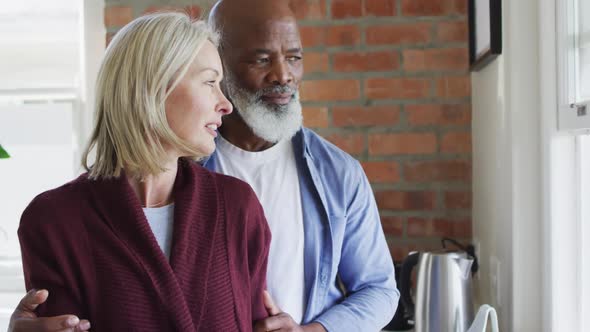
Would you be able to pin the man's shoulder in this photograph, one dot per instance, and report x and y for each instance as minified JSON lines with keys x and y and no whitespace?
{"x":322,"y":150}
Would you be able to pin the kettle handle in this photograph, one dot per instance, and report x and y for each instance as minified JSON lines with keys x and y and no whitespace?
{"x":406,"y":283}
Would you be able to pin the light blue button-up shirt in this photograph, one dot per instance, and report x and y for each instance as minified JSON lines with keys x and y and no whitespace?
{"x":344,"y":240}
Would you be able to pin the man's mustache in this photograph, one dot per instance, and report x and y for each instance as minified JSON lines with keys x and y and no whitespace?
{"x":276,"y":89}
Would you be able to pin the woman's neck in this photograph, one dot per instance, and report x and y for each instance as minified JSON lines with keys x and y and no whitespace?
{"x":156,"y":190}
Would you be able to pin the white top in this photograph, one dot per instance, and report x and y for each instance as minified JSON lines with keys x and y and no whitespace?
{"x":161,"y":220}
{"x":272,"y":174}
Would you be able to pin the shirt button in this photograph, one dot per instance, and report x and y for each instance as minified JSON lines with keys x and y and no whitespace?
{"x":324,"y":278}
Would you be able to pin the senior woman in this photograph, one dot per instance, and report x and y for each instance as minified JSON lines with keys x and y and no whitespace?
{"x":148,"y":240}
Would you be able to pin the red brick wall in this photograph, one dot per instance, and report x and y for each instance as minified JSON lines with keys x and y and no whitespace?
{"x":388,"y":82}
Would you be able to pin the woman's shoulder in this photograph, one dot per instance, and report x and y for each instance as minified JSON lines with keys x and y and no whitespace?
{"x":49,"y":205}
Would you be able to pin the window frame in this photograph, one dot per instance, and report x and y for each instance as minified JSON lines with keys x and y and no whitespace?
{"x":573,"y":112}
{"x":564,"y":182}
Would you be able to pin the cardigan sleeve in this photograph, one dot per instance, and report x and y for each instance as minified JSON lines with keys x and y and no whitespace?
{"x":49,"y":247}
{"x":258,"y":246}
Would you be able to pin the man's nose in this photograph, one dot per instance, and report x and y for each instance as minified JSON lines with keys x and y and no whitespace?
{"x":280,"y":73}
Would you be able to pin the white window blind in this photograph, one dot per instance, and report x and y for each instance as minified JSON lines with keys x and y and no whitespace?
{"x":40,"y":43}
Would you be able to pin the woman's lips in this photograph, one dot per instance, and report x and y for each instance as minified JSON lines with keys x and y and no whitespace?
{"x":212,"y":129}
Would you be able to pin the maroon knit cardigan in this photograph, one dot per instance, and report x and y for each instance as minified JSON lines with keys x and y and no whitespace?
{"x":89,"y":244}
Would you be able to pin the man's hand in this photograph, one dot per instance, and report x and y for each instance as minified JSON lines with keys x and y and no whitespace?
{"x":281,"y":321}
{"x":24,"y":319}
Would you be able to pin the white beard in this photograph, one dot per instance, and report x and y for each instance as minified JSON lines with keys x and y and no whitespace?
{"x":273,"y":123}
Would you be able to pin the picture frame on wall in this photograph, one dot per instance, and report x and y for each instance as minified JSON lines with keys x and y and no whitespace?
{"x":485,"y":32}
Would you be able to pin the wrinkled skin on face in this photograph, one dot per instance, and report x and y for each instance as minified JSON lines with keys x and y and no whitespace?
{"x":261,"y":51}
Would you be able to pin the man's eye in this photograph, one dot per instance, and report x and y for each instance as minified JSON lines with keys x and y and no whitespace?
{"x":262,"y":61}
{"x":294,"y":58}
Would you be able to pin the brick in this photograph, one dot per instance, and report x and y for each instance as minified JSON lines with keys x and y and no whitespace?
{"x":365,"y":116}
{"x":456,"y":142}
{"x":382,"y":171}
{"x":315,"y":62}
{"x":460,"y":7}
{"x":380,"y":7}
{"x":433,"y":114}
{"x":347,"y":8}
{"x":117,"y":16}
{"x":453,"y":87}
{"x":402,"y":143}
{"x":398,"y":253}
{"x":447,"y":32}
{"x":395,"y":34}
{"x":436,"y":171}
{"x":328,"y":90}
{"x":315,"y":117}
{"x":109,"y":37}
{"x":160,"y":9}
{"x":365,"y":61}
{"x":436,"y":59}
{"x":312,"y":36}
{"x":457,"y":199}
{"x":419,"y":227}
{"x":428,"y":7}
{"x":462,"y":229}
{"x":343,"y":35}
{"x":353,"y":143}
{"x":397,"y":88}
{"x":406,"y":200}
{"x":392,"y":226}
{"x":309,"y":9}
{"x":438,"y":227}
{"x":193,"y":11}
{"x":423,"y":7}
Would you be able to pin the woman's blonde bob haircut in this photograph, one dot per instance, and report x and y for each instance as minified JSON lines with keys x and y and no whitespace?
{"x":143,"y":63}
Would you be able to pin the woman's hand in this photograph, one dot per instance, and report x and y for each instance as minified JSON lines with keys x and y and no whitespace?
{"x":25,"y":319}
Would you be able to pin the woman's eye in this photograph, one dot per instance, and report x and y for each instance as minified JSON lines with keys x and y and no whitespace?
{"x":211,"y":83}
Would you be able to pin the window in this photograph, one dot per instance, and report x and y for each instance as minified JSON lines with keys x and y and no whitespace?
{"x":584,"y":234}
{"x":573,"y":34}
{"x":570,"y":223}
{"x":49,"y":59}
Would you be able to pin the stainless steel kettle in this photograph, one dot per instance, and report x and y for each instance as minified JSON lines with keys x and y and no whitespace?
{"x":444,"y":300}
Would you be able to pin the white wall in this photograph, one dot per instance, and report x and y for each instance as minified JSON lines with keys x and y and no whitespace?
{"x":507,"y":209}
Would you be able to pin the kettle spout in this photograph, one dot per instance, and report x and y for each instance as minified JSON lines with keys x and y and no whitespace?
{"x":480,"y":323}
{"x":464,"y":266}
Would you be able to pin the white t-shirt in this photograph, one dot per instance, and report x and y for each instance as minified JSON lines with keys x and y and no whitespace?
{"x":161,"y":220}
{"x":272,"y":174}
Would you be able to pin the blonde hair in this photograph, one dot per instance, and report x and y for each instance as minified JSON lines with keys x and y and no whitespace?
{"x":143,"y":63}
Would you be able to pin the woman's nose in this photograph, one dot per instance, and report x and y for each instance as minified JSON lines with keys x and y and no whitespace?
{"x":225,"y":106}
